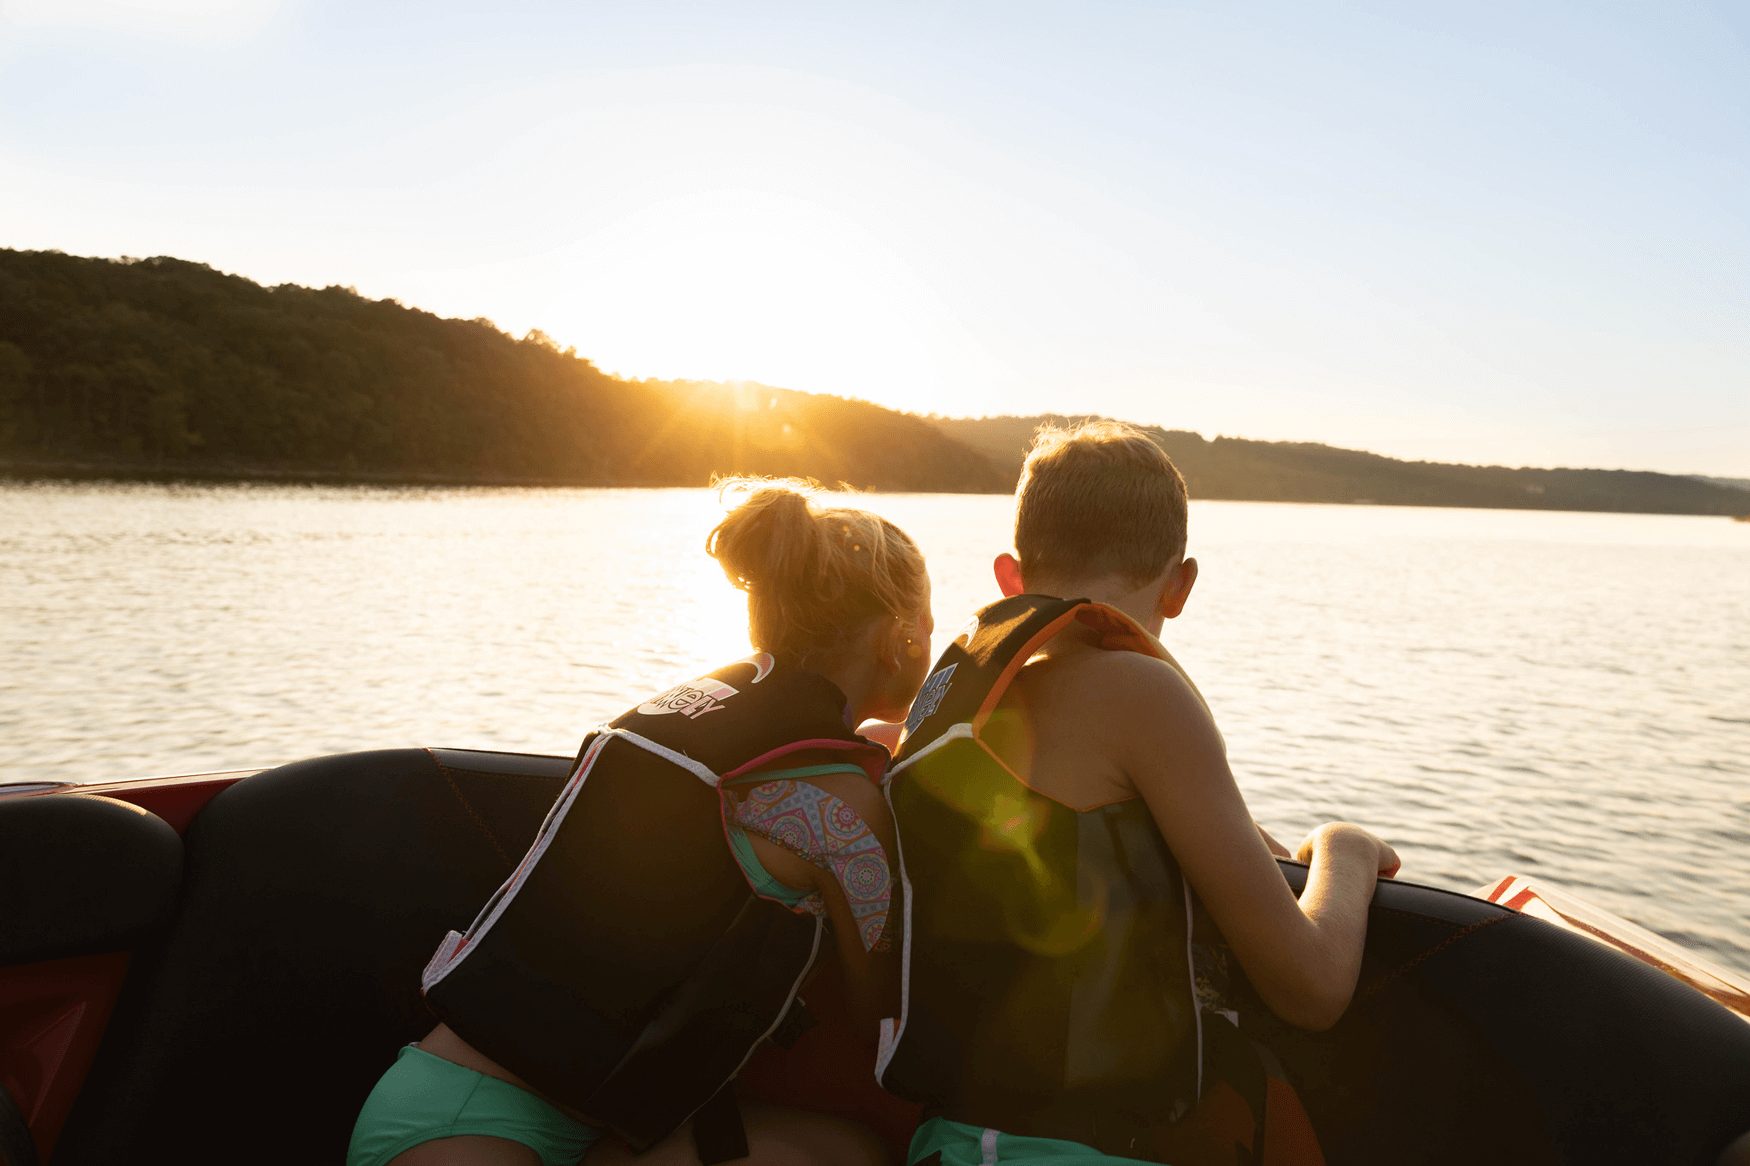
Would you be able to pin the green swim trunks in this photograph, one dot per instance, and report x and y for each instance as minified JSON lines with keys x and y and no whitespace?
{"x":964,"y":1145}
{"x":422,"y":1098}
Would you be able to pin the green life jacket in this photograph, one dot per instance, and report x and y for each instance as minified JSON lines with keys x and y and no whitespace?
{"x":1048,"y":979}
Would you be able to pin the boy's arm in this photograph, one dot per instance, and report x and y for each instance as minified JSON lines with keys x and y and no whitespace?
{"x":1302,"y":956}
{"x":1275,"y":848}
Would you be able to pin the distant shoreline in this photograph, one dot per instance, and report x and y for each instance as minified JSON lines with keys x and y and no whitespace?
{"x":248,"y":475}
{"x":244,"y":475}
{"x":161,"y":370}
{"x":29,"y":472}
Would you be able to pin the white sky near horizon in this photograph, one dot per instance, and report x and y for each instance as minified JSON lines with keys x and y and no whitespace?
{"x":1496,"y":233}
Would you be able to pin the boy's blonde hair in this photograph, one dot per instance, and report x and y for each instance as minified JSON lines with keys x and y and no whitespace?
{"x":1099,"y":498}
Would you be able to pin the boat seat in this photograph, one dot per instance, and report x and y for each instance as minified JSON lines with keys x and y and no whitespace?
{"x":83,"y":879}
{"x":16,"y":1146}
{"x":81,"y":874}
{"x":312,"y":896}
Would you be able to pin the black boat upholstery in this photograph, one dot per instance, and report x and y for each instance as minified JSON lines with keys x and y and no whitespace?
{"x":1478,"y":1034}
{"x":16,"y":1146}
{"x":313,"y":895}
{"x":81,"y":874}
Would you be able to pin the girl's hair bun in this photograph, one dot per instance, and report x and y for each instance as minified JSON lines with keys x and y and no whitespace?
{"x":770,"y":536}
{"x":813,"y":576}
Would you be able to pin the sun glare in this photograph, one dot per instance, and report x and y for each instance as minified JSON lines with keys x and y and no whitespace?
{"x":748,"y":398}
{"x":770,"y":288}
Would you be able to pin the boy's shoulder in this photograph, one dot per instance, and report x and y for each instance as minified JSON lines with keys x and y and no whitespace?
{"x":1109,"y":683}
{"x":1094,"y":720}
{"x":1145,"y":709}
{"x":1158,"y":673}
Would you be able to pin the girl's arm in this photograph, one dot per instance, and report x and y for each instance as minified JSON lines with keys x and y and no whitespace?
{"x":864,"y":917}
{"x":1302,"y":956}
{"x":884,"y":733}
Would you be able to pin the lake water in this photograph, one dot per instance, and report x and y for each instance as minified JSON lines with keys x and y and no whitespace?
{"x":1561,"y":695}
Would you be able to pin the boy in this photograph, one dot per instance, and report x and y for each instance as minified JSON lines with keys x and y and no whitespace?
{"x":1060,"y":795}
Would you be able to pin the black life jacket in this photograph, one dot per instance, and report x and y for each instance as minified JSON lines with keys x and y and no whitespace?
{"x":625,"y":969}
{"x":1049,"y":988}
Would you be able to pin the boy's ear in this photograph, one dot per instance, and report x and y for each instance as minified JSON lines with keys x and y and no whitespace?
{"x":1178,"y":589}
{"x":1008,"y":573}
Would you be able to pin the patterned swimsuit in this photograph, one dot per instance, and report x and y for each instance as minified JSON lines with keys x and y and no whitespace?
{"x":822,"y":830}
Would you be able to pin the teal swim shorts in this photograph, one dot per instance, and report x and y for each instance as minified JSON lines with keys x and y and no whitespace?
{"x":964,"y":1145}
{"x":422,"y":1098}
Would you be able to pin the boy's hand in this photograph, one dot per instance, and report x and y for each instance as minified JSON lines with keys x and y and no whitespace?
{"x":1349,"y":834}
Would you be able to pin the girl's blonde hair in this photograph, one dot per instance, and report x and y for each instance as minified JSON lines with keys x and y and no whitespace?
{"x":814,"y":577}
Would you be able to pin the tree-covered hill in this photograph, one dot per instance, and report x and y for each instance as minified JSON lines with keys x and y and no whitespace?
{"x":1280,"y":471}
{"x":161,"y":366}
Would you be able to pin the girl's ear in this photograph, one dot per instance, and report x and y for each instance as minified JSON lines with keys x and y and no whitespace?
{"x":1008,"y":573}
{"x":890,"y":644}
{"x":896,"y":654}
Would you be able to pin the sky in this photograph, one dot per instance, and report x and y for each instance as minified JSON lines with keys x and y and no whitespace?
{"x":1506,"y":233}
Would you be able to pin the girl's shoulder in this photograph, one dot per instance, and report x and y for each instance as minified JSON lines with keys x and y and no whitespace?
{"x":821,"y":791}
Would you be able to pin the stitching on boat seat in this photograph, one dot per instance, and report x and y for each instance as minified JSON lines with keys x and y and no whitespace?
{"x":1464,"y":932}
{"x":479,"y":822}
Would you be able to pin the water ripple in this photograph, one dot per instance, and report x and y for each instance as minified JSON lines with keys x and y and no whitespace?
{"x":1491,"y":691}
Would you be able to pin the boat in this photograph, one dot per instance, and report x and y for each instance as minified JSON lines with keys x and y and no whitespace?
{"x":214,"y":967}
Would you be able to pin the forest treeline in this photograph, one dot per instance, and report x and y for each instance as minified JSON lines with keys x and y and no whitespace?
{"x":1282,"y":471}
{"x":164,"y":367}
{"x":167,"y":367}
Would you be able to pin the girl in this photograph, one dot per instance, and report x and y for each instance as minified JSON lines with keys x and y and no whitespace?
{"x":672,"y":903}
